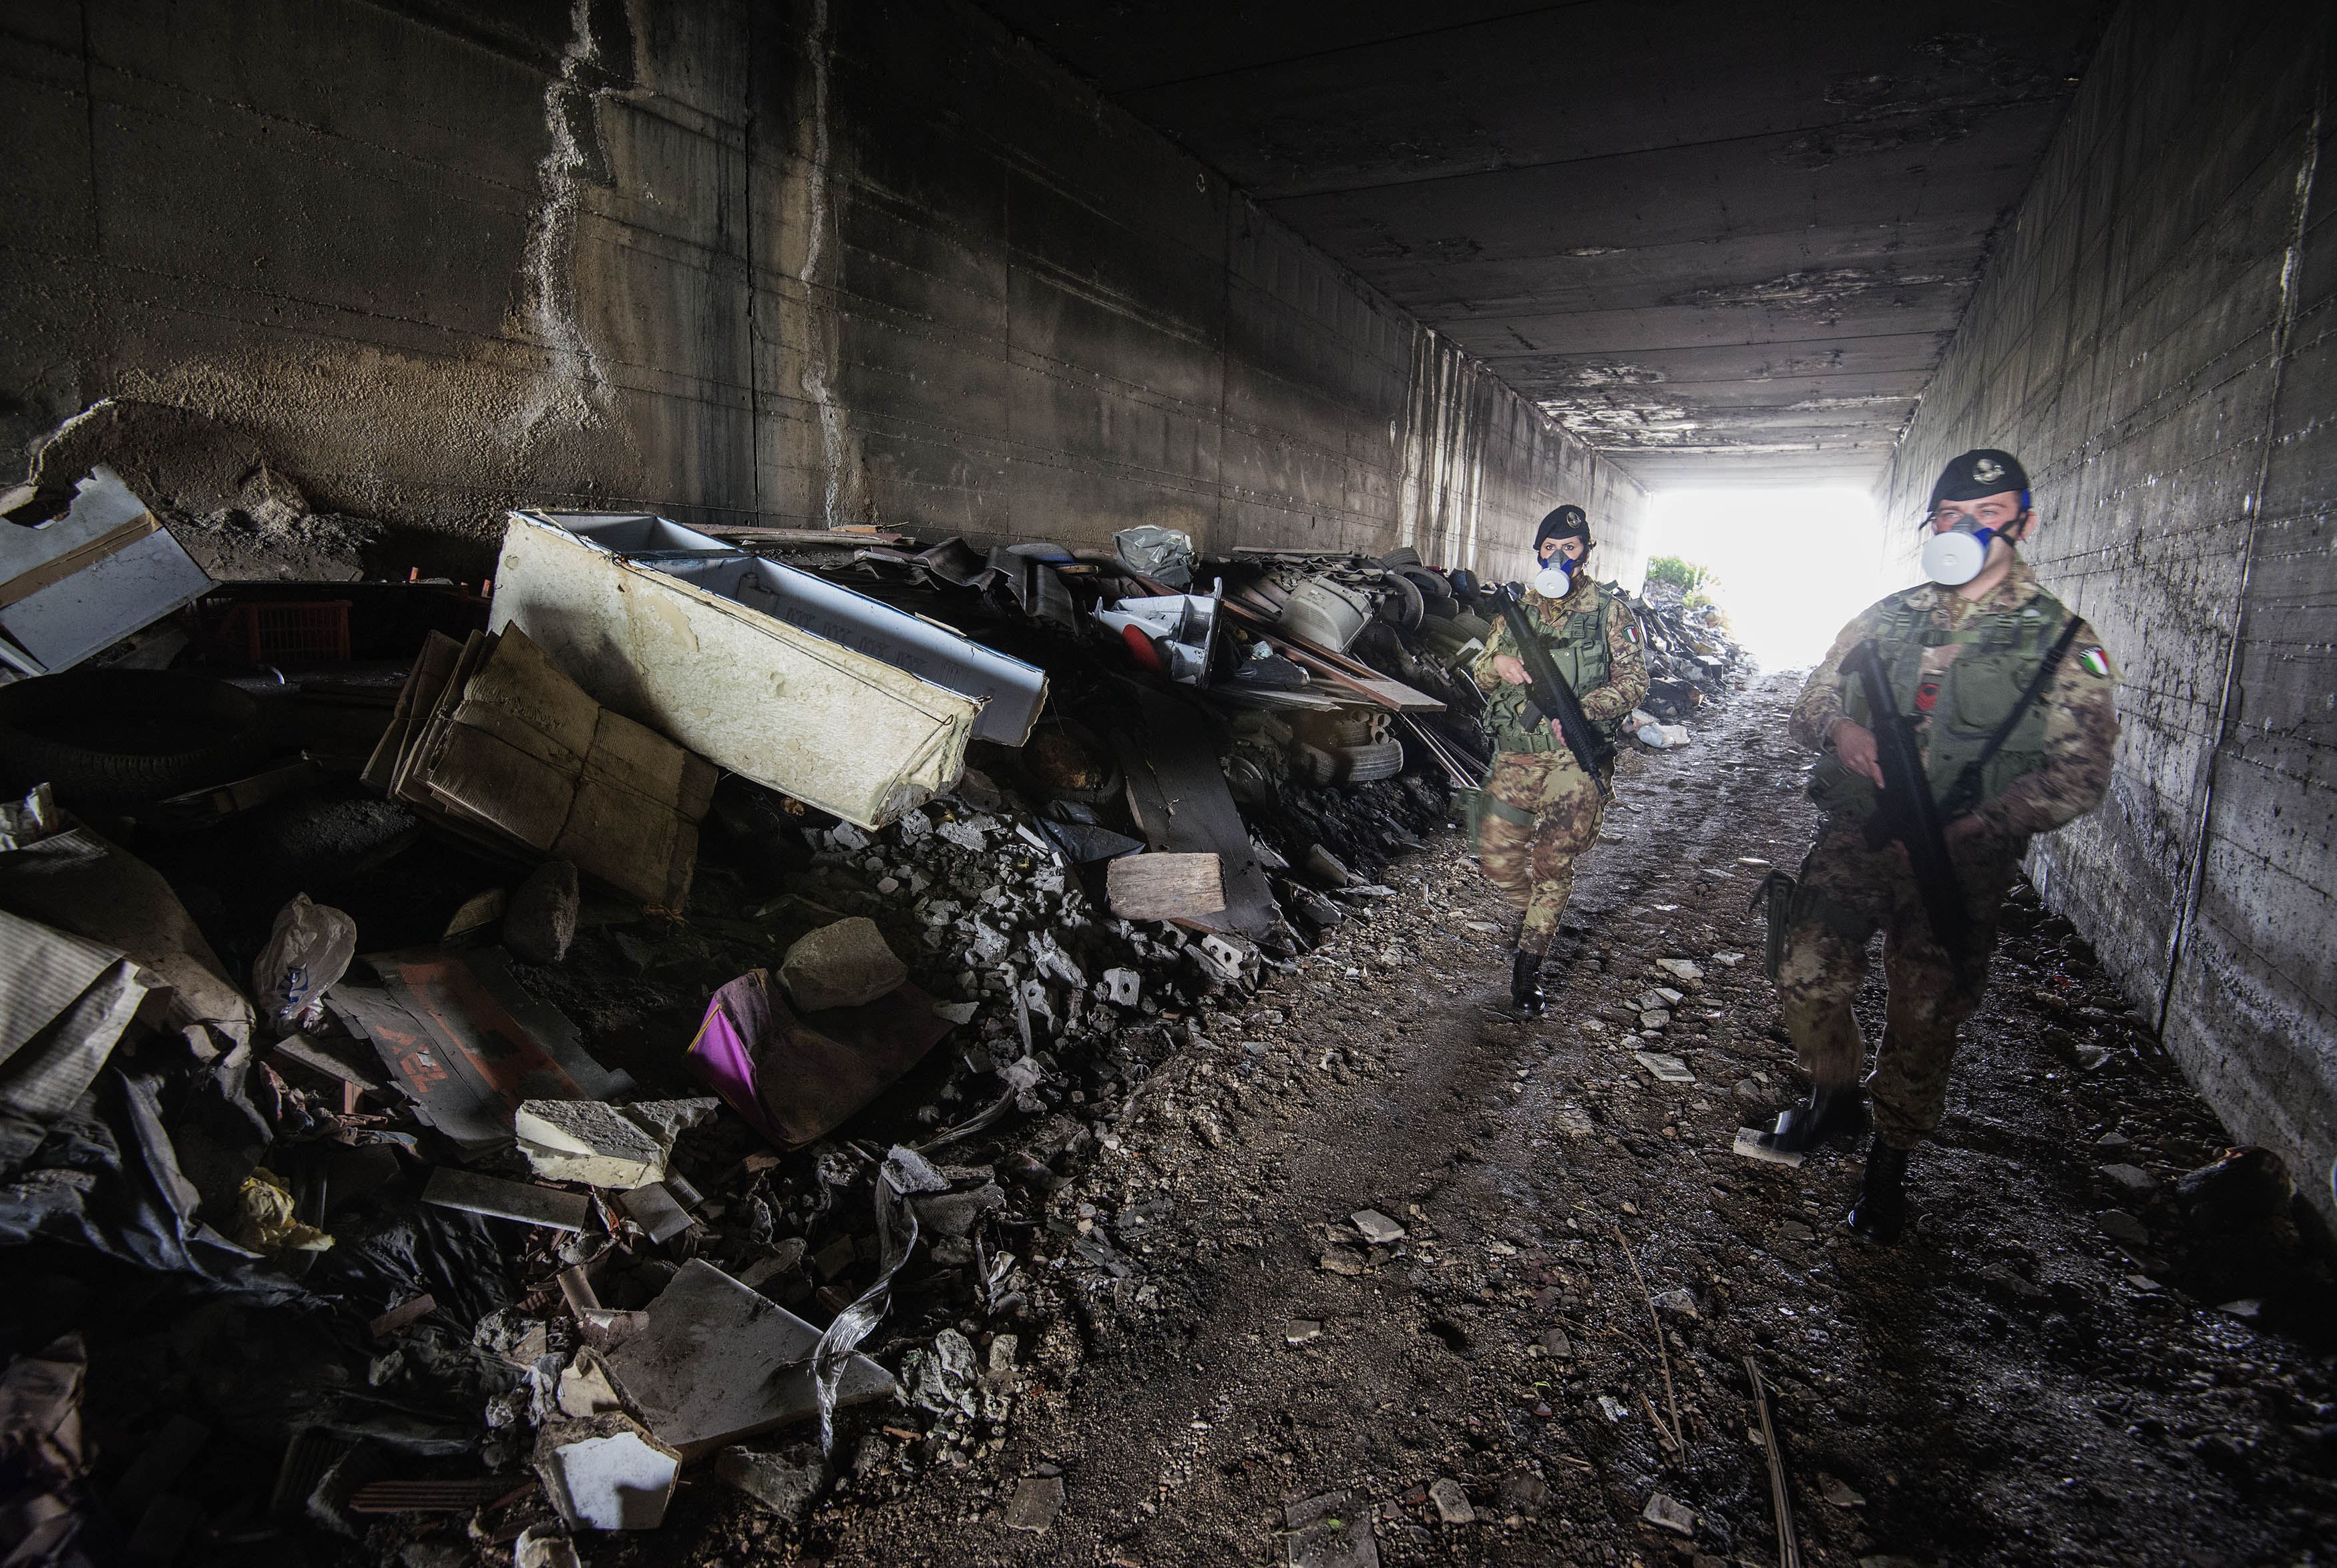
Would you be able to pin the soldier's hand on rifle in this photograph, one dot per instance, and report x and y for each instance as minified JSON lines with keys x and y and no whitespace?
{"x":1507,"y":666}
{"x":1854,"y":744}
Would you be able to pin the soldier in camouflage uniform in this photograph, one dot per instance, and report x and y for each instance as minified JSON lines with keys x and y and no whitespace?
{"x":1963,"y":651}
{"x":1539,"y":809}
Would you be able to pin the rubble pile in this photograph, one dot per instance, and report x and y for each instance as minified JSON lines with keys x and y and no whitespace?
{"x":1691,"y":661}
{"x":689,"y":972}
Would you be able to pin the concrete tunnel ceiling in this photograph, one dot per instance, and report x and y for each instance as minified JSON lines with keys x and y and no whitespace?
{"x":1722,"y":245}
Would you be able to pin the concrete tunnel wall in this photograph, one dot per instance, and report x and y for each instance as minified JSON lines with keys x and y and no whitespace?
{"x":818,"y":262}
{"x":2158,"y":339}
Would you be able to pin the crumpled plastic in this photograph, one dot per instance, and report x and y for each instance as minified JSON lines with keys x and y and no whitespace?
{"x":1162,"y":554}
{"x":264,"y":1221}
{"x":307,"y":954}
{"x":904,"y":1172}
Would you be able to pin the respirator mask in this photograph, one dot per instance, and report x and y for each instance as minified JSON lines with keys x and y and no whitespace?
{"x":1954,"y":558}
{"x":1556,"y":578}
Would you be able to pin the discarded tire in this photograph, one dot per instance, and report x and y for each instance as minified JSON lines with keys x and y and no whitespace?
{"x":1379,"y":760}
{"x":116,"y":737}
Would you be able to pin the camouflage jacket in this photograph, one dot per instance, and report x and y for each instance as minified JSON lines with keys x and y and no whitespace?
{"x":1626,"y":685}
{"x":2079,"y":706}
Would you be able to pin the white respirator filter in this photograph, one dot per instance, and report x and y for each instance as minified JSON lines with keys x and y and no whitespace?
{"x":1952,"y":559}
{"x":1551,"y":583}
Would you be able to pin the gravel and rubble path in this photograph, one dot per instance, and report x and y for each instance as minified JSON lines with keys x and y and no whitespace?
{"x":2040,"y":1375}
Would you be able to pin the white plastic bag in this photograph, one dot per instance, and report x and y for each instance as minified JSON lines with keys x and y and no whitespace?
{"x":307,"y":954}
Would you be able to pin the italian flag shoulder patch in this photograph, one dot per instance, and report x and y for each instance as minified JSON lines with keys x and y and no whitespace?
{"x":2094,"y":662}
{"x":1631,"y":632}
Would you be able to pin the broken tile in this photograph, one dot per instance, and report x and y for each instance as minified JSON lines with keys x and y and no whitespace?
{"x":1682,"y":970}
{"x":1376,"y":1228}
{"x":532,"y":1205}
{"x":2133,"y":1178}
{"x":653,"y":1209}
{"x":606,"y":1472}
{"x":1343,"y":1261}
{"x":719,"y":1363}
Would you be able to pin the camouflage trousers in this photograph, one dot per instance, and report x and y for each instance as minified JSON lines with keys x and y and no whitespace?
{"x":1848,"y":892}
{"x":1540,"y":812}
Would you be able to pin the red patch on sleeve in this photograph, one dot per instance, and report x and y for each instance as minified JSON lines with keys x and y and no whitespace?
{"x":1927,"y":695}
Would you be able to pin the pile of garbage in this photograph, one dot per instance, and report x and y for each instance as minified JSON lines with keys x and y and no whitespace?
{"x":517,"y":1042}
{"x":1692,"y":660}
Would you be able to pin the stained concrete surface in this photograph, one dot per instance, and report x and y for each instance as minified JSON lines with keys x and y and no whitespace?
{"x":1689,"y":230}
{"x":2014,"y":1385}
{"x":807,"y":264}
{"x":2156,"y":340}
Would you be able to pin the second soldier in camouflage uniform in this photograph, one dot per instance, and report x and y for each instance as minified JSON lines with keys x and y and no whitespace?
{"x":1961,"y":652}
{"x":1540,"y":810}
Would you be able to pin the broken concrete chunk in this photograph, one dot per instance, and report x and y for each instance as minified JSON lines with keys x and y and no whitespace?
{"x":720,"y":1363}
{"x":586,"y":1141}
{"x":451,"y":1189}
{"x":1376,"y":1228}
{"x":1035,"y":1504}
{"x":958,"y":1013}
{"x":1343,"y":1261}
{"x":1666,"y":1514}
{"x":2133,"y":1178}
{"x":1675,"y":1304}
{"x":1299,"y":1330}
{"x":1555,"y":1342}
{"x":954,"y":1213}
{"x":541,"y":922}
{"x":1125,"y":987}
{"x":606,"y":1472}
{"x":786,"y":1482}
{"x":1681,"y":969}
{"x":1841,"y":1494}
{"x":845,"y":965}
{"x":1452,"y":1500}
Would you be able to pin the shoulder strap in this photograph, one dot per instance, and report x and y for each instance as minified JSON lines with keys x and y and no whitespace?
{"x":1965,"y":793}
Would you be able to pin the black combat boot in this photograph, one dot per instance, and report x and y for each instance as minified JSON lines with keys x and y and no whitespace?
{"x":1525,"y":983}
{"x":1827,"y":1114}
{"x":1880,"y":1215}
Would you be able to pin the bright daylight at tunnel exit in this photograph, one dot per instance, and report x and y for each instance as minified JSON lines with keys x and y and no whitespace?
{"x":963,"y":784}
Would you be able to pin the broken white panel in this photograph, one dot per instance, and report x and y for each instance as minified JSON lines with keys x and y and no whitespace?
{"x":586,"y":1141}
{"x":85,"y":581}
{"x":1011,"y":692}
{"x":809,"y":718}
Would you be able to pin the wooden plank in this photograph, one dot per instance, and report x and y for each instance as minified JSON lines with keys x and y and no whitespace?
{"x":1177,"y":792}
{"x":1166,"y":887}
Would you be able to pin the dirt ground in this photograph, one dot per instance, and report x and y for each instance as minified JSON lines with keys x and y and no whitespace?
{"x":2014,"y":1384}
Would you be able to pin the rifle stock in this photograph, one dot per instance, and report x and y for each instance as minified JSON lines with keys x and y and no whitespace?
{"x":1553,"y":699}
{"x":1904,"y":810}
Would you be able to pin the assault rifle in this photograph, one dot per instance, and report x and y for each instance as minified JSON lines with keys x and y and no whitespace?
{"x":1553,"y":699}
{"x":1904,"y":808}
